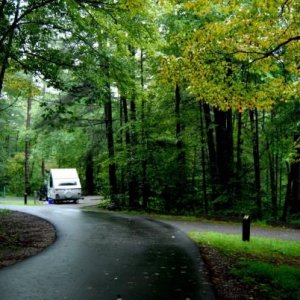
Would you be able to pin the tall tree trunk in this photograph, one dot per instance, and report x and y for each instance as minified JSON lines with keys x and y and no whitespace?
{"x":6,"y":49}
{"x":211,"y":149}
{"x":122,"y":185}
{"x":27,"y":146}
{"x":203,"y":159}
{"x":126,"y":120}
{"x":224,"y":150}
{"x":43,"y":170}
{"x":133,"y":184}
{"x":239,"y":149}
{"x":287,"y":195}
{"x":295,"y":179}
{"x":110,"y":146}
{"x":273,"y":186}
{"x":145,"y":184}
{"x":272,"y":173}
{"x":256,"y":160}
{"x":180,"y":184}
{"x":89,"y":173}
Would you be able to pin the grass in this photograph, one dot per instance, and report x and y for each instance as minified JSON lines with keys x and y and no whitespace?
{"x":30,"y":202}
{"x":276,"y":282}
{"x":271,"y":265}
{"x":258,"y":246}
{"x":102,"y":206}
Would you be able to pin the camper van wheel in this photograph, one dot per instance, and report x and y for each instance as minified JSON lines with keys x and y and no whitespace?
{"x":75,"y":201}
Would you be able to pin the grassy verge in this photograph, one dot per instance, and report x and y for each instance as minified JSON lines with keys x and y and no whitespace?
{"x":30,"y":202}
{"x":102,"y":206}
{"x":270,"y":266}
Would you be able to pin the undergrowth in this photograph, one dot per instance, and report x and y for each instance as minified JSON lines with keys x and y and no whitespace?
{"x":271,"y":266}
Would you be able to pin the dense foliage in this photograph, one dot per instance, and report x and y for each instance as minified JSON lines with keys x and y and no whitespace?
{"x":175,"y":106}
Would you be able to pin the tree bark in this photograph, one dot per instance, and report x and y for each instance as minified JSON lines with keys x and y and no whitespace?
{"x":89,"y":173}
{"x":295,"y":179}
{"x":27,"y":146}
{"x":6,"y":49}
{"x":287,"y":195}
{"x":211,"y":148}
{"x":239,"y":150}
{"x":203,"y":159}
{"x":126,"y":120}
{"x":224,"y":155}
{"x":273,"y":186}
{"x":145,"y":189}
{"x":256,"y":160}
{"x":133,"y":184}
{"x":180,"y":184}
{"x":110,"y":146}
{"x":272,"y":161}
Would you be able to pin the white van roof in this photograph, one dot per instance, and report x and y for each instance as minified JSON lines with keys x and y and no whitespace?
{"x":64,"y":173}
{"x":65,"y":177}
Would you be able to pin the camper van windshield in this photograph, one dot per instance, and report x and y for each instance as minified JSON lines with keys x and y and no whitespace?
{"x":68,"y":183}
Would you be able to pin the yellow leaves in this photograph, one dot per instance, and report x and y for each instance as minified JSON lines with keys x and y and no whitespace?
{"x":20,"y":85}
{"x":227,"y":59}
{"x":134,"y":7}
{"x":171,"y":68}
{"x":199,"y":7}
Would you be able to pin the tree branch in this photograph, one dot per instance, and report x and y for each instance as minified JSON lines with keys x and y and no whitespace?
{"x":270,"y":52}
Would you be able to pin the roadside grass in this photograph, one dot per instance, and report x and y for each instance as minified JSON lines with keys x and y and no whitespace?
{"x":270,"y":265}
{"x":30,"y":202}
{"x":274,"y":282}
{"x":104,"y":204}
{"x":258,"y":246}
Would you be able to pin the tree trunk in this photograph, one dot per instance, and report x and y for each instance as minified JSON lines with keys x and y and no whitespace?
{"x":145,"y":184}
{"x":295,"y":179}
{"x":224,"y":151}
{"x":125,"y":115}
{"x":27,"y":146}
{"x":43,"y":170}
{"x":110,"y":146}
{"x":287,"y":195}
{"x":133,"y":184}
{"x":272,"y":172}
{"x":6,"y":49}
{"x":89,"y":173}
{"x":180,"y":177}
{"x":239,"y":149}
{"x":211,"y":149}
{"x":256,"y":161}
{"x":272,"y":158}
{"x":203,"y":159}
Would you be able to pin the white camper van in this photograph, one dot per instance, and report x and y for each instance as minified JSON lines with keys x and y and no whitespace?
{"x":63,"y":185}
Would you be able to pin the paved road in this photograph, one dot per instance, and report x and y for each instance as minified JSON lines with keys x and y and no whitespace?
{"x":105,"y":256}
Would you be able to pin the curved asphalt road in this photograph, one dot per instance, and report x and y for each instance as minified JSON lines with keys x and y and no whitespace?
{"x":106,"y":256}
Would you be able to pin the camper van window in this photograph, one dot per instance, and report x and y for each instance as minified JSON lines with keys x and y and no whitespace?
{"x":51,"y":181}
{"x":68,"y":183}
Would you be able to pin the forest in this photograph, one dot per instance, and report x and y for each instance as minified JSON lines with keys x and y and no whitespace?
{"x":181,"y":107}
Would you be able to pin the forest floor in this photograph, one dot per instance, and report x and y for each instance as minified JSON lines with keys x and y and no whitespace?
{"x":23,"y":235}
